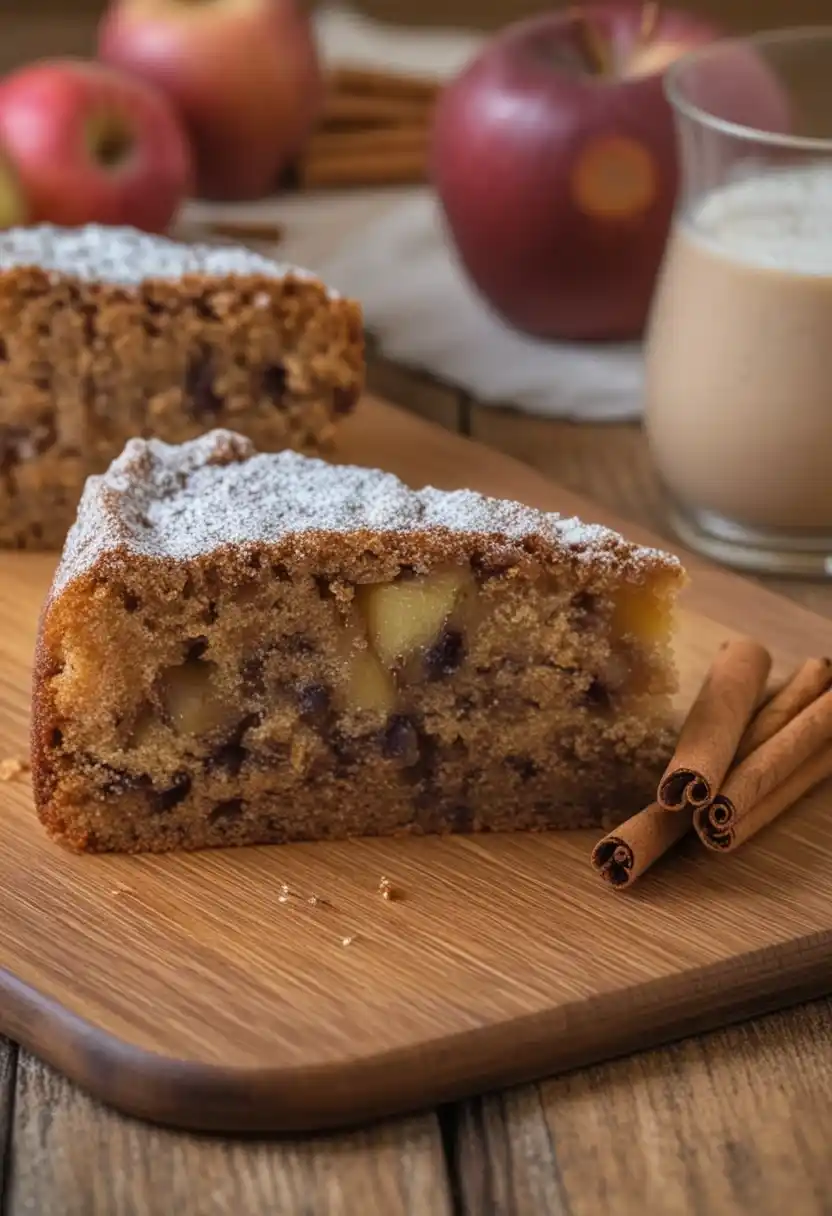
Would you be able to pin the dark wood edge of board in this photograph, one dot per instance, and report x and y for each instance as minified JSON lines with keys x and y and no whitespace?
{"x":205,"y":1097}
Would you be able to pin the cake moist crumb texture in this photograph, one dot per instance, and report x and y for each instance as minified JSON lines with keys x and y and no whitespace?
{"x":110,"y":333}
{"x":246,"y":648}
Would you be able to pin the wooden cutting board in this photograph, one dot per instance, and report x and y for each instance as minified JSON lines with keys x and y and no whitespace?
{"x":185,"y":990}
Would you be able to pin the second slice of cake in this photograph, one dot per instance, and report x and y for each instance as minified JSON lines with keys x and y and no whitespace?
{"x":109,"y":333}
{"x":244,"y":648}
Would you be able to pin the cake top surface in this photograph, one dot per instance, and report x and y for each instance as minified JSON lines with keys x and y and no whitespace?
{"x":128,"y":257}
{"x":185,"y":502}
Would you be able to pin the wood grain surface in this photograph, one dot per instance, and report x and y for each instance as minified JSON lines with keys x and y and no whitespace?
{"x":8,"y":1069}
{"x":84,"y":1160}
{"x":182,"y":988}
{"x":733,"y":1122}
{"x":42,"y":35}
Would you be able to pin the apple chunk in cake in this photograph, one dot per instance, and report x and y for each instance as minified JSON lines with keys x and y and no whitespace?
{"x":243,"y":647}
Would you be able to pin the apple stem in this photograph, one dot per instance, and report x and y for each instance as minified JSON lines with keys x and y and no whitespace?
{"x":595,"y":48}
{"x":649,"y":21}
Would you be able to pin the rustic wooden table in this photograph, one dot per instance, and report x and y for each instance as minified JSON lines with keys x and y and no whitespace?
{"x":731,"y":1122}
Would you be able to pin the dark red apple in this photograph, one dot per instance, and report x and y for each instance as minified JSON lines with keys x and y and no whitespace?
{"x":554,"y":159}
{"x":244,"y":75}
{"x":93,"y":145}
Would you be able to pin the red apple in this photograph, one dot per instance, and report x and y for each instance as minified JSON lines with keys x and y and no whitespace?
{"x":244,"y":74}
{"x":14,"y":209}
{"x":555,"y":162}
{"x":93,"y":145}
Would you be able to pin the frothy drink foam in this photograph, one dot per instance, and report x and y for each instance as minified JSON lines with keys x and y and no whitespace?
{"x":779,"y":222}
{"x":739,"y":366}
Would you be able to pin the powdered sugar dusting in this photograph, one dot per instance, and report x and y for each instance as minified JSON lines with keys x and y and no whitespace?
{"x":127,"y":257}
{"x":183,"y":502}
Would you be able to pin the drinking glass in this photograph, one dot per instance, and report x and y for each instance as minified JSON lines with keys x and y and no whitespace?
{"x":739,"y":342}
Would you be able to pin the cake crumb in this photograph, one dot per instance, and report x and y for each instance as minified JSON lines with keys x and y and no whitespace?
{"x":386,"y":889}
{"x":121,"y":889}
{"x":348,"y":941}
{"x":12,"y":767}
{"x":318,"y":901}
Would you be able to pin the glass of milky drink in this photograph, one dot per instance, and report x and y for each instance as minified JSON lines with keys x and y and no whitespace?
{"x":739,"y":346}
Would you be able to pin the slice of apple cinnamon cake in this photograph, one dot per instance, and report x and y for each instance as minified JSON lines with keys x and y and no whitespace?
{"x":243,"y":647}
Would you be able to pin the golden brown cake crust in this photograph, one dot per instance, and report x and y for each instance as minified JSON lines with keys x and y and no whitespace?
{"x":545,"y":704}
{"x":109,"y":333}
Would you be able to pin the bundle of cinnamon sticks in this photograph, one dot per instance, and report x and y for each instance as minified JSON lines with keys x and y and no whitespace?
{"x":374,"y":130}
{"x":740,"y":761}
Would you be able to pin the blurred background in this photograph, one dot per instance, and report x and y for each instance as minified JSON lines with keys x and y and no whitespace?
{"x":66,"y":26}
{"x":375,"y":170}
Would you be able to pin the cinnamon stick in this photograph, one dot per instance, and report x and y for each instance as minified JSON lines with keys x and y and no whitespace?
{"x":264,"y":231}
{"x":402,"y":168}
{"x":722,"y":829}
{"x":413,"y":137}
{"x":734,"y":814}
{"x":365,"y":158}
{"x":380,"y":83}
{"x":804,"y":687}
{"x":350,"y":110}
{"x":714,"y":726}
{"x":624,"y":854}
